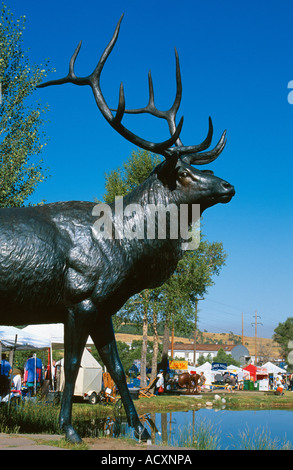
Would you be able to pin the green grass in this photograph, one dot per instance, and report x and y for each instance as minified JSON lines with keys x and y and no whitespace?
{"x":63,"y":444}
{"x":243,"y":400}
{"x":98,"y":420}
{"x":29,"y":418}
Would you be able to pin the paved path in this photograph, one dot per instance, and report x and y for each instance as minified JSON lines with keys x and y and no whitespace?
{"x":26,"y":442}
{"x":31,"y":442}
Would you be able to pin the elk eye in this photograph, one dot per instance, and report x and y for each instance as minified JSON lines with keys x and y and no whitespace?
{"x":184,"y":174}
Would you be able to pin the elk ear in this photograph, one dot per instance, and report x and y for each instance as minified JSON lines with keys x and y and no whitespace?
{"x":166,"y":168}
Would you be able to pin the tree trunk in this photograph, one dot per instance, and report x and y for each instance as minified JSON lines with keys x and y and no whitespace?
{"x":143,"y":381}
{"x":166,"y":342}
{"x":155,"y":344}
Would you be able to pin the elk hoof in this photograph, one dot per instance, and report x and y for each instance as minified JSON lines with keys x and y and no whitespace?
{"x":142,"y":433}
{"x":72,"y":436}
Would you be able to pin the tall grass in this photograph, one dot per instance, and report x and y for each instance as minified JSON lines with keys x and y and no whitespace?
{"x":260,"y":439}
{"x":203,"y":436}
{"x":29,"y":418}
{"x":37,"y":417}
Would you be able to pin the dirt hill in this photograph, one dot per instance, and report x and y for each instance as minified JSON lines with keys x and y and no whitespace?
{"x":265,"y":346}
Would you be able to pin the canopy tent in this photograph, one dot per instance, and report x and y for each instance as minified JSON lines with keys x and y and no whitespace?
{"x":273,"y":369}
{"x":234,"y":369}
{"x":204,"y":367}
{"x":12,"y":338}
{"x":53,"y":332}
{"x":24,"y":339}
{"x":252,"y":370}
{"x":197,"y":370}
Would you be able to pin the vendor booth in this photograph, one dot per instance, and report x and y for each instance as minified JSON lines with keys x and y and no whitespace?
{"x":12,"y":339}
{"x":259,"y":378}
{"x":252,"y":371}
{"x":273,"y":369}
{"x":262,"y":379}
{"x":53,"y":333}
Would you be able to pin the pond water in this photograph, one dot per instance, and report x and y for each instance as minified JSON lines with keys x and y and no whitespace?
{"x":223,"y":426}
{"x":226,"y":425}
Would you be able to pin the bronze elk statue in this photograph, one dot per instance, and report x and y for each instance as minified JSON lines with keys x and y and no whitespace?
{"x":55,"y":268}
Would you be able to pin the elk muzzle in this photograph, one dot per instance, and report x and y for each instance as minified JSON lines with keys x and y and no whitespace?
{"x":227,"y":191}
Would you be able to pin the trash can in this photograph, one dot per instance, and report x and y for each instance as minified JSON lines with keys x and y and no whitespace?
{"x":246,"y":385}
{"x":251,"y":385}
{"x":256,"y":385}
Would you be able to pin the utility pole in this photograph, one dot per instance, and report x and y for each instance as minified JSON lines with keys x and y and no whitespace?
{"x":255,"y":337}
{"x":172,"y":342}
{"x":195,"y":332}
{"x":242,"y":337}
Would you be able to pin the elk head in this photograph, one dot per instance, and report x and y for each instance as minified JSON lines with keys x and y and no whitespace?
{"x":176,"y":172}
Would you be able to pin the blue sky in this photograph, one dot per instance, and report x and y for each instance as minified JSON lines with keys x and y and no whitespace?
{"x":236,"y":62}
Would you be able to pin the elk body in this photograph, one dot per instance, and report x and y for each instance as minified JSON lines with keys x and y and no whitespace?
{"x":55,"y":268}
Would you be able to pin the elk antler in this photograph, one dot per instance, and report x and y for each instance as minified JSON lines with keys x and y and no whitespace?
{"x":189,"y":154}
{"x":93,"y":81}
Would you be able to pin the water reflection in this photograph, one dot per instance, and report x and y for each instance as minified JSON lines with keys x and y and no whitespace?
{"x":115,"y":427}
{"x":181,"y":428}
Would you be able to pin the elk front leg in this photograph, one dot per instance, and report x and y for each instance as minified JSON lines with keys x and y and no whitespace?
{"x":104,"y":339}
{"x":75,"y":336}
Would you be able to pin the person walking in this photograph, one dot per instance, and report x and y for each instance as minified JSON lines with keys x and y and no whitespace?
{"x":32,"y":374}
{"x":201,"y":382}
{"x":5,"y":376}
{"x":160,"y":382}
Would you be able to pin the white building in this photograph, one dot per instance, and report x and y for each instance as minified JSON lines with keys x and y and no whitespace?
{"x":186,"y":351}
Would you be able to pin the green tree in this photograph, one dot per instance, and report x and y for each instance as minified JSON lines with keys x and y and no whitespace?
{"x":283,"y":334}
{"x":133,"y":172}
{"x":129,"y":354}
{"x":21,"y":118}
{"x":224,"y":357}
{"x":203,"y":359}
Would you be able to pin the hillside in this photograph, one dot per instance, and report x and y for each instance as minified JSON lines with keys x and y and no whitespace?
{"x":265,"y":346}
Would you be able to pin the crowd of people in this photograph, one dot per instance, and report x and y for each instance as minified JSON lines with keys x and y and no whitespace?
{"x":282,"y":382}
{"x":26,"y":380}
{"x":234,"y":381}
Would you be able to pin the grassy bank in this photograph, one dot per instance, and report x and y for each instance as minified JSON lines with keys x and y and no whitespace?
{"x":240,"y":400}
{"x":94,"y":420}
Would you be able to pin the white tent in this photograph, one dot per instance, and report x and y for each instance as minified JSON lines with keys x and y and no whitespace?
{"x":24,"y":339}
{"x":12,"y":338}
{"x":234,"y":369}
{"x":89,"y":378}
{"x":273,"y":369}
{"x":53,"y":332}
{"x":204,"y":367}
